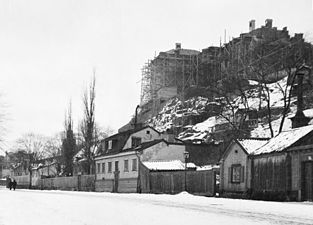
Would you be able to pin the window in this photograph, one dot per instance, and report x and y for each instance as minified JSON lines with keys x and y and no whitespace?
{"x":136,"y":141}
{"x":103,"y":167}
{"x":98,"y":167}
{"x":236,"y":173}
{"x":134,"y":165}
{"x":109,"y":167}
{"x":110,"y":144}
{"x":116,"y":166}
{"x":148,"y":132}
{"x":126,"y":165}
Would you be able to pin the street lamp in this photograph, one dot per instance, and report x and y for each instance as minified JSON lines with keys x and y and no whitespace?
{"x":186,"y":156}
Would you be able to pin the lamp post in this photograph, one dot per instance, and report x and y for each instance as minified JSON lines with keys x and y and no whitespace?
{"x":186,"y":156}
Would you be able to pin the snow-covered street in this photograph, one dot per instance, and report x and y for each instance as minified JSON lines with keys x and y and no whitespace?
{"x":60,"y":207}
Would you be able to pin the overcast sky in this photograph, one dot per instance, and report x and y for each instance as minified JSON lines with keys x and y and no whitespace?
{"x":48,"y":50}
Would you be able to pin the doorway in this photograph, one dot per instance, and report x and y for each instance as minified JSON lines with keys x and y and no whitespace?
{"x":307,"y":178}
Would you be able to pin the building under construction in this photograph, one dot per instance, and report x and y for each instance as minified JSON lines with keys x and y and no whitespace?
{"x":172,"y":72}
{"x":169,"y":73}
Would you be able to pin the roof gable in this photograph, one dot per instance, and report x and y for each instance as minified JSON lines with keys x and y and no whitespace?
{"x":230,"y":147}
{"x":251,"y":144}
{"x":247,"y":145}
{"x":284,"y":140}
{"x":121,"y":139}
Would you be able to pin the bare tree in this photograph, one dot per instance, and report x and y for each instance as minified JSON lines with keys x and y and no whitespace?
{"x":68,"y":143}
{"x":88,"y":126}
{"x":34,"y":146}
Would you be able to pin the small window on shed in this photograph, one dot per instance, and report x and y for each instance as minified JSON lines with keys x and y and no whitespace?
{"x":236,"y":173}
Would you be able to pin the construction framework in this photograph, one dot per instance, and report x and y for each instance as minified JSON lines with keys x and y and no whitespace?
{"x":177,"y":68}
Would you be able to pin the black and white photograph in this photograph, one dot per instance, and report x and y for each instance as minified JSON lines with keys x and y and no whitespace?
{"x":156,"y":112}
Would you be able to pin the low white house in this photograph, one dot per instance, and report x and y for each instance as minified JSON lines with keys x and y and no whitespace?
{"x":117,"y":168}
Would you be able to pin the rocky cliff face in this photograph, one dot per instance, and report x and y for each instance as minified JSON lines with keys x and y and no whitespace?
{"x":198,"y":119}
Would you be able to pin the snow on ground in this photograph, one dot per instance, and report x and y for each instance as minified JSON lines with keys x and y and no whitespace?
{"x":76,"y":208}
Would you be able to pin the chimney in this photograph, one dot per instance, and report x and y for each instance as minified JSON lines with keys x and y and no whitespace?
{"x":251,"y":25}
{"x":300,"y":120}
{"x":298,"y":36}
{"x":268,"y":23}
{"x":178,"y":46}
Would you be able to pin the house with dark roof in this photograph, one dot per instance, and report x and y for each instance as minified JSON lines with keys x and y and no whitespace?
{"x":118,"y":165}
{"x":235,"y":165}
{"x":278,"y":169}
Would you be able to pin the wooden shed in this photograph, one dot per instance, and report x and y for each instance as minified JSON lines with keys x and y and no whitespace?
{"x":282,"y":169}
{"x":235,"y":172}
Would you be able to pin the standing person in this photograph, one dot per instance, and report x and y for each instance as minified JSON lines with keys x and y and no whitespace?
{"x":11,"y":183}
{"x":14,"y":183}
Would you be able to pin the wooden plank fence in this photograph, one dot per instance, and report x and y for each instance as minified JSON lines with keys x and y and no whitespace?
{"x":74,"y":183}
{"x":172,"y":182}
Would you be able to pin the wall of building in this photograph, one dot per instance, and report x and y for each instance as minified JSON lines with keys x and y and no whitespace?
{"x":236,"y":156}
{"x":104,"y":185}
{"x":270,"y":173}
{"x":164,"y":151}
{"x":146,"y":135}
{"x":120,"y":158}
{"x":297,"y":160}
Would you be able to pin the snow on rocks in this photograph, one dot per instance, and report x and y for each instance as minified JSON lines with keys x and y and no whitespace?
{"x":175,"y":111}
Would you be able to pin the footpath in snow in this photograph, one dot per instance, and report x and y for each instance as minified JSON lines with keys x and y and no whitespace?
{"x":60,"y":207}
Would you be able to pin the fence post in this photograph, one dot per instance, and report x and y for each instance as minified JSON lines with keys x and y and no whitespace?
{"x":78,"y":181}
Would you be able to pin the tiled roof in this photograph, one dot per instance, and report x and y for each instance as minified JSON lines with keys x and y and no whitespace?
{"x":284,"y":140}
{"x":252,"y":144}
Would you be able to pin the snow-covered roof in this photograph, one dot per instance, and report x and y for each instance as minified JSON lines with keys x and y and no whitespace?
{"x":284,"y":140}
{"x":165,"y":165}
{"x":251,"y":145}
{"x":207,"y":167}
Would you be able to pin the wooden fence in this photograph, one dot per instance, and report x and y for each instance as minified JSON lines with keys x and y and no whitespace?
{"x":77,"y":183}
{"x":172,"y":182}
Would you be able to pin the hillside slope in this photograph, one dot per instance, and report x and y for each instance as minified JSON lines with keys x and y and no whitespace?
{"x":197,"y":118}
